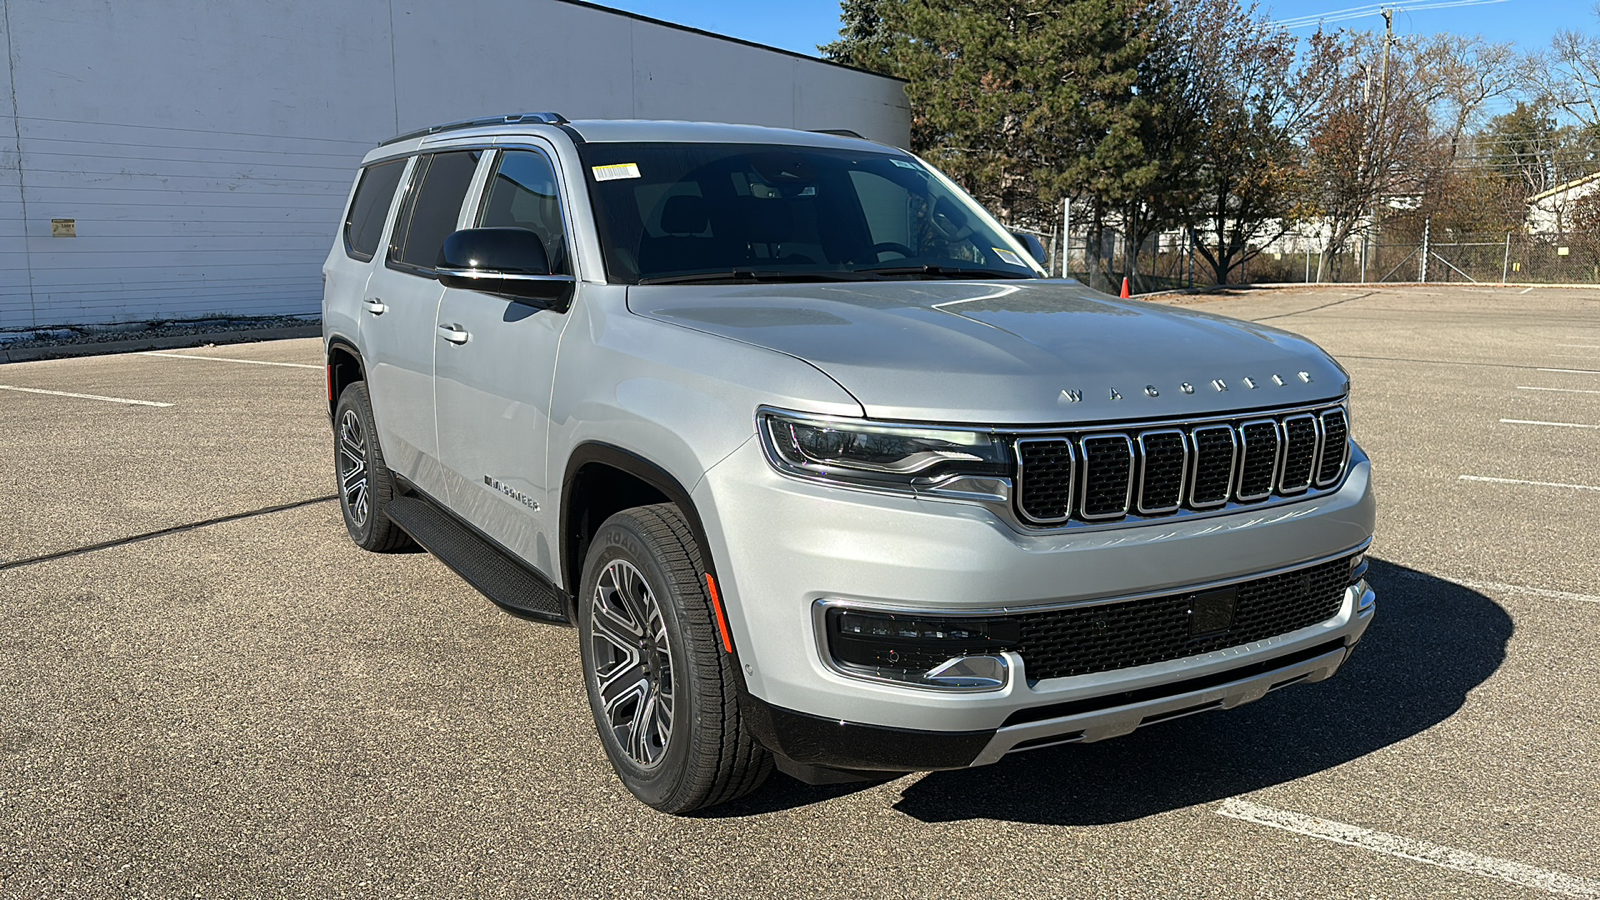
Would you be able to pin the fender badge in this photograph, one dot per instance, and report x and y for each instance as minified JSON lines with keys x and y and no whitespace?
{"x":496,"y":485}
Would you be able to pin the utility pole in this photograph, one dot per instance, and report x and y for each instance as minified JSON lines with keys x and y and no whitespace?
{"x":1381,"y":159}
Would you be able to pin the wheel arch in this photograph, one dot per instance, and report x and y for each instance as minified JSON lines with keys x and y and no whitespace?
{"x":345,"y":367}
{"x":602,"y":479}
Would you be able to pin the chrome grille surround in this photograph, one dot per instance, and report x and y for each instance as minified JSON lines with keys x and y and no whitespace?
{"x":1227,"y":462}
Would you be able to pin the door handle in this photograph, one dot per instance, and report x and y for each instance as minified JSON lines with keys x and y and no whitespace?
{"x":455,"y":334}
{"x":374,"y":306}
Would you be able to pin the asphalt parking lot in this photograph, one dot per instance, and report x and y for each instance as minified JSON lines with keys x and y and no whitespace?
{"x":207,"y":691}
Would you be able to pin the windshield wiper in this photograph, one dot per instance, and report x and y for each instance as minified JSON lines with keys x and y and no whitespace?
{"x":753,"y":276}
{"x":942,"y":271}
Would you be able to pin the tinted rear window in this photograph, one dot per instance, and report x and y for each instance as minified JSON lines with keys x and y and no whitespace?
{"x":363,"y":228}
{"x":433,"y":207}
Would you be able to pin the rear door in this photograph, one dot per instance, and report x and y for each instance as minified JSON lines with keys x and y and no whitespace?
{"x":495,"y":362}
{"x":399,"y":312}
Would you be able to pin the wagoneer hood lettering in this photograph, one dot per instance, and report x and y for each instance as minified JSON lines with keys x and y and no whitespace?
{"x":1030,"y":352}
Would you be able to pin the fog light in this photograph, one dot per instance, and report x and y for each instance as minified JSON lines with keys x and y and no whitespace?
{"x":928,"y":650}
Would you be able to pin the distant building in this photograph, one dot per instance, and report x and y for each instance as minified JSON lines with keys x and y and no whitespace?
{"x":191,"y":158}
{"x":1550,"y":213}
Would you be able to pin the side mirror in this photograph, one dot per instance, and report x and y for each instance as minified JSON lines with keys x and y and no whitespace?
{"x":509,"y":261}
{"x":1034,"y":245}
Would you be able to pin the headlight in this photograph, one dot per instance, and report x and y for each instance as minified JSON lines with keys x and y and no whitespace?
{"x":887,"y":457}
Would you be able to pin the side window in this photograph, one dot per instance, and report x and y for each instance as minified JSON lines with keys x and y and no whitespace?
{"x":370,"y":207}
{"x":522,"y":194}
{"x":432,"y":208}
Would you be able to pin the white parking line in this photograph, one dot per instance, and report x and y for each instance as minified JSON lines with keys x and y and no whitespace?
{"x":1574,"y":356}
{"x":1523,"y":387}
{"x":7,"y":387}
{"x":1409,"y":848}
{"x":250,"y":362}
{"x":1576,"y":487}
{"x":1502,"y":587}
{"x":1551,"y":424}
{"x":1573,"y":371}
{"x":1581,"y":346}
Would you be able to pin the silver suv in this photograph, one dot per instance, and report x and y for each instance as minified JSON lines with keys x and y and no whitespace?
{"x":825,"y":471}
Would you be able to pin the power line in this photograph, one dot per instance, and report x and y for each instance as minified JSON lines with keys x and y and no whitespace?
{"x":1358,"y":12}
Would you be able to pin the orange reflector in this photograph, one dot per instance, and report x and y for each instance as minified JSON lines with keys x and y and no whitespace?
{"x":330,"y":384}
{"x":722,"y":619}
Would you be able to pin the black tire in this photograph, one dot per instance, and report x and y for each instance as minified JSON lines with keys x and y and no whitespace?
{"x":675,"y":662}
{"x":365,"y":483}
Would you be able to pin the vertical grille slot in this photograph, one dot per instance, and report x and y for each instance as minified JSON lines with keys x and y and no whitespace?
{"x":1045,"y":470}
{"x":1107,"y":476}
{"x":1300,"y":439}
{"x":1215,"y":452}
{"x":1258,"y":466}
{"x":1171,"y":469}
{"x":1163,"y":465}
{"x":1335,"y":447}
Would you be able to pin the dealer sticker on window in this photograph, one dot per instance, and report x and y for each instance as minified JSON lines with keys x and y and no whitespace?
{"x":1007,"y":256}
{"x":616,"y":171}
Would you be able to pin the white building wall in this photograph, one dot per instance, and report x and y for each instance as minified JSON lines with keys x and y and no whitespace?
{"x":205,"y":149}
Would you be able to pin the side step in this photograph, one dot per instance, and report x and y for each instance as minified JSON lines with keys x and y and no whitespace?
{"x":486,"y":567}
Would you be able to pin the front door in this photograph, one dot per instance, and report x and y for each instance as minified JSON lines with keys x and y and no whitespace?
{"x":494,"y":364}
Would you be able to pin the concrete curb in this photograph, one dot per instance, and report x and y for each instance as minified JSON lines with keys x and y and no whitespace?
{"x":171,"y":342}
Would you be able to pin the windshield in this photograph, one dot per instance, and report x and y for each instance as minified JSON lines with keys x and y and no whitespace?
{"x":692,"y":212}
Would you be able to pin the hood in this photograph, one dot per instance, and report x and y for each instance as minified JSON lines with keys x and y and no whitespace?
{"x":1009,"y":353}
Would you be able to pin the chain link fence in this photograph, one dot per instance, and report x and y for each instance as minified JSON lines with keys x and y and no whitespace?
{"x":1411,"y":252}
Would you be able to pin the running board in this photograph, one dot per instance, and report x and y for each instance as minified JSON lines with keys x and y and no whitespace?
{"x":495,"y":573}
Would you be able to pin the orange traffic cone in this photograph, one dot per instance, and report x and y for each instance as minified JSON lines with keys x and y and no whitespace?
{"x":1125,"y":292}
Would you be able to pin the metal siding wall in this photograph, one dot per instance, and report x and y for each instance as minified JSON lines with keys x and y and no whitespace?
{"x":205,"y":149}
{"x":16,"y":303}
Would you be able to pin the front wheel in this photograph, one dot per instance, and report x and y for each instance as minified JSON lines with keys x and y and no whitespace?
{"x":661,"y":686}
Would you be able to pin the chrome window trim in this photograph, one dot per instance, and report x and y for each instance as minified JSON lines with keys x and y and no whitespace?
{"x":1127,"y":496}
{"x":1233,"y":467}
{"x":1316,"y":454}
{"x":910,"y":609}
{"x":1244,"y":459}
{"x":1072,"y":477}
{"x":1144,"y":462}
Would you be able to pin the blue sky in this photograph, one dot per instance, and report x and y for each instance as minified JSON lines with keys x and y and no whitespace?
{"x":800,"y":25}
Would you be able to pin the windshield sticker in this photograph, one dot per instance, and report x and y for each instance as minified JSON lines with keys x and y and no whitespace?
{"x":615,"y":171}
{"x":905,"y":165}
{"x":1008,"y":257}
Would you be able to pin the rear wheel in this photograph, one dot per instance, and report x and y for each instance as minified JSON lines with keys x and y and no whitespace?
{"x":662,"y":689}
{"x":365,"y":483}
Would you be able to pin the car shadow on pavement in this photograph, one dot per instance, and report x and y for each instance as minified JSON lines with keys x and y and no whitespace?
{"x":1432,"y":642}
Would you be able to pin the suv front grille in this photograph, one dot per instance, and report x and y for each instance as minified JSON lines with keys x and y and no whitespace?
{"x":1103,"y":637}
{"x":1107,"y":475}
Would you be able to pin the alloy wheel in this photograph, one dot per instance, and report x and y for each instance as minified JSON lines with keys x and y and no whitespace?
{"x":353,"y":467}
{"x":632,"y":656}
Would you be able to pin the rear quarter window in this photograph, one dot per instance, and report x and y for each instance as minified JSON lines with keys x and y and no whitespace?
{"x":363,"y":227}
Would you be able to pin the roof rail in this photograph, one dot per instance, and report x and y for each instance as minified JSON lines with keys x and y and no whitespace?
{"x":841,"y":132}
{"x":543,"y":118}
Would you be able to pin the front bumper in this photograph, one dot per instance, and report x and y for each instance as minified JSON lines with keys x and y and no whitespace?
{"x":781,"y":546}
{"x":811,"y":743}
